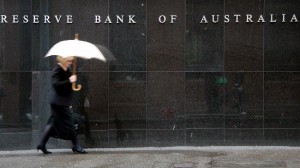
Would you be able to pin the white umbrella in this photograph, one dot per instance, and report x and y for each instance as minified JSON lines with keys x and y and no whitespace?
{"x":109,"y":56}
{"x":77,"y":48}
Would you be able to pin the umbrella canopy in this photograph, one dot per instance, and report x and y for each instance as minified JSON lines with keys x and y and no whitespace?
{"x":76,"y":48}
{"x":109,"y":56}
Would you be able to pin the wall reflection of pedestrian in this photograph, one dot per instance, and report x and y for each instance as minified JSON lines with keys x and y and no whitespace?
{"x":237,"y":94}
{"x":1,"y":96}
{"x":1,"y":93}
{"x":82,"y":106}
{"x":122,"y":134}
{"x":212,"y":93}
{"x":61,"y":124}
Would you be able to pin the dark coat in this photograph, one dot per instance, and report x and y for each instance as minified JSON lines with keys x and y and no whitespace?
{"x":62,"y":119}
{"x":61,"y":88}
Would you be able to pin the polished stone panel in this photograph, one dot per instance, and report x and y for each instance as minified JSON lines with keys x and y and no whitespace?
{"x":15,"y":100}
{"x":282,"y":100}
{"x":244,"y":100}
{"x":15,"y":49}
{"x":204,"y":121}
{"x":165,"y":41}
{"x":16,"y":141}
{"x":92,"y":100}
{"x":244,"y":136}
{"x":200,"y":137}
{"x":281,"y":39}
{"x":128,"y":40}
{"x":127,"y":138}
{"x":127,"y":100}
{"x":98,"y":139}
{"x":204,"y":41}
{"x":244,"y":41}
{"x":39,"y":38}
{"x":165,"y":137}
{"x":282,"y":137}
{"x":205,"y":93}
{"x":165,"y":100}
{"x":204,"y":100}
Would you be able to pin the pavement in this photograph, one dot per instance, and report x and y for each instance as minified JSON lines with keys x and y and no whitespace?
{"x":157,"y":157}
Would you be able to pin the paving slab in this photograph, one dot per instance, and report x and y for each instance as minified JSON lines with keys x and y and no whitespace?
{"x":247,"y":164}
{"x":157,"y":157}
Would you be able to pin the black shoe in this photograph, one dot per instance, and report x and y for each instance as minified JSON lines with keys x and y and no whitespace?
{"x":43,"y":149}
{"x":79,"y":150}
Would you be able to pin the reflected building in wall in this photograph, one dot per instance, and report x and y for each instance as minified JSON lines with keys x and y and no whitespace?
{"x":169,"y":84}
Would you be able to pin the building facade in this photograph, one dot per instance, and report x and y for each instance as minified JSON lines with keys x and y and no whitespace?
{"x":183,"y":72}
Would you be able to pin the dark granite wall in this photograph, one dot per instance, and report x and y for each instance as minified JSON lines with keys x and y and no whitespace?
{"x":181,"y":84}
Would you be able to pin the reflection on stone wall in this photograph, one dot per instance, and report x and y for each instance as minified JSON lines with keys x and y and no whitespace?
{"x":184,"y":83}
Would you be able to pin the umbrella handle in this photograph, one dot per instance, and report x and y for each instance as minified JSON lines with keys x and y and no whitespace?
{"x":74,"y":73}
{"x":76,"y":88}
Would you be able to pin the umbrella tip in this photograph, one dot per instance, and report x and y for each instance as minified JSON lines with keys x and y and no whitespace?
{"x":76,"y":36}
